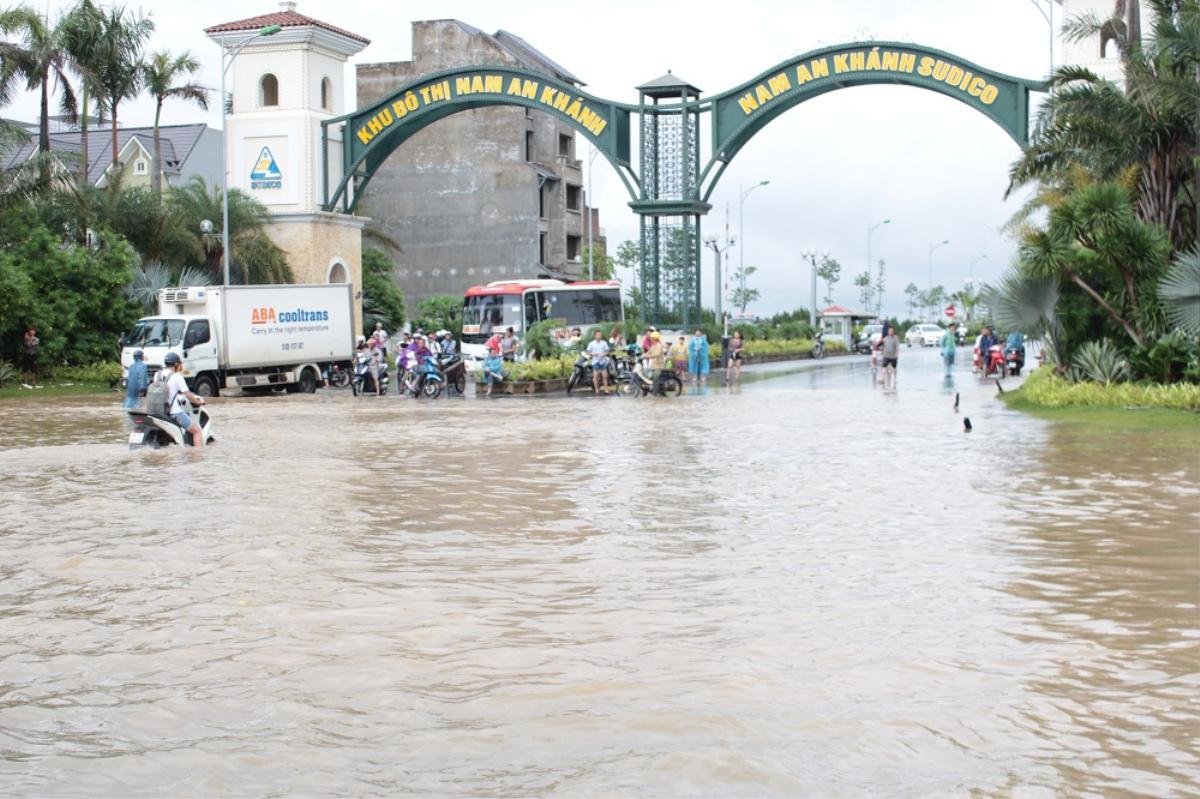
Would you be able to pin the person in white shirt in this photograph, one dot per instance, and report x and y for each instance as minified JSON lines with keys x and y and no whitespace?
{"x":177,"y":393}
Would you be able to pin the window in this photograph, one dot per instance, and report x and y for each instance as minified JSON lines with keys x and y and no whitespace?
{"x":573,"y":247}
{"x":326,"y":94}
{"x":197,"y":333}
{"x":541,"y":248}
{"x":268,"y":90}
{"x":531,"y":309}
{"x":529,"y":145}
{"x":542,"y":189}
{"x":139,"y":167}
{"x":337,"y":273}
{"x":574,"y":197}
{"x":566,"y":145}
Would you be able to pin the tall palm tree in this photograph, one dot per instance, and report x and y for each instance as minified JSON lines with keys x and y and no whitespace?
{"x":39,"y":60}
{"x":82,"y":31}
{"x":118,"y":61}
{"x":1145,"y":129}
{"x":159,"y":75}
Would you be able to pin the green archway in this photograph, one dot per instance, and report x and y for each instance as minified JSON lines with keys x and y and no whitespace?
{"x":669,"y":190}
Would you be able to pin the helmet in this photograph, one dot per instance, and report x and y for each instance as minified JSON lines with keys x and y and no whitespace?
{"x":655,"y":335}
{"x":445,"y":334}
{"x":171,"y":359}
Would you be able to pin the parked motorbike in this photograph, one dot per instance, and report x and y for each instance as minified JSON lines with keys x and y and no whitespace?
{"x":366,"y":372}
{"x":157,"y":430}
{"x":581,"y":376}
{"x":454,"y":370}
{"x":336,"y":376}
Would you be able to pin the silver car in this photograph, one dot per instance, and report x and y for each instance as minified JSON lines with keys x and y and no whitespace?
{"x":927,"y":335}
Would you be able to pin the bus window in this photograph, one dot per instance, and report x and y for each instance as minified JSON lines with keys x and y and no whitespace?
{"x":484,"y":315}
{"x":531,"y":309}
{"x":608,"y":305}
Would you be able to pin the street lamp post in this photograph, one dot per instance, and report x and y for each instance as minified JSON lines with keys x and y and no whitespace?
{"x":231,"y":52}
{"x":870,"y":230}
{"x":1048,"y":14}
{"x":588,"y":207}
{"x":811,"y":256}
{"x":742,"y":232}
{"x":933,"y":246}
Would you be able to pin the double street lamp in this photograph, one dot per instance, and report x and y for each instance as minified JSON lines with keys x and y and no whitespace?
{"x":227,"y":56}
{"x":973,"y":260}
{"x":711,"y":241}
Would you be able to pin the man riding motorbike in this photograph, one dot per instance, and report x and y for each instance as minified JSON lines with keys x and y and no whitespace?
{"x":177,"y":392}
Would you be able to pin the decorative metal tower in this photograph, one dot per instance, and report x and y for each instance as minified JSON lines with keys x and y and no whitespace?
{"x":669,"y":206}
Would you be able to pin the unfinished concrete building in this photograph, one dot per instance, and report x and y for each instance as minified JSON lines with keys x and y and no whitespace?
{"x":487,"y":194}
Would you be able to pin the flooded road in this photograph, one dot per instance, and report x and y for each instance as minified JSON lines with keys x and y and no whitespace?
{"x":799,"y":586}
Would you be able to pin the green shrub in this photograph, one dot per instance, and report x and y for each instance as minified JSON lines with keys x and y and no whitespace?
{"x":543,"y":369}
{"x":8,"y":374}
{"x":1101,"y":362}
{"x":1046,"y":388}
{"x":539,"y":341}
{"x":104,"y":372}
{"x":1165,"y":360}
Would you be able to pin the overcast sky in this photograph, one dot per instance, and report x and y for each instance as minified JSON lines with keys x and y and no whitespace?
{"x":932,"y":165}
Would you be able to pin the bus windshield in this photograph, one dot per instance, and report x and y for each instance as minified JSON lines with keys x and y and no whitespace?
{"x":582,"y":307}
{"x":486,"y":314}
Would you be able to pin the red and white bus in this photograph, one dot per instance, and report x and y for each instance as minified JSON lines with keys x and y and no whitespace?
{"x":520,"y":304}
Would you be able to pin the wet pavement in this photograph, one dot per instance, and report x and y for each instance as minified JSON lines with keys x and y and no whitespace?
{"x":803,"y":585}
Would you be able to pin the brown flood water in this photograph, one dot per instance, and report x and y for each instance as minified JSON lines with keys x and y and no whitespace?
{"x":798,"y":587}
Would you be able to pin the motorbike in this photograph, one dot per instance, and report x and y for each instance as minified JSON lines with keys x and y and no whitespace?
{"x":454,"y":370}
{"x":428,"y":380}
{"x":157,"y":430}
{"x":366,"y":373}
{"x":818,"y":350}
{"x":633,"y":383}
{"x":581,"y":376}
{"x":993,"y":363}
{"x":1014,"y":353}
{"x":336,"y":376}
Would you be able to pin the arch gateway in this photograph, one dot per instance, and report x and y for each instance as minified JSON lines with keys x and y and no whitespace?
{"x":669,"y":188}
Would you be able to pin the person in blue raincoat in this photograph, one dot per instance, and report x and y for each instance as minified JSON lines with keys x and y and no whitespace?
{"x":698,"y":359}
{"x":136,"y":382}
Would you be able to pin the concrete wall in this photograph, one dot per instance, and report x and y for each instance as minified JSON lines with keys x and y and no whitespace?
{"x":314,"y":243}
{"x":459,"y":201}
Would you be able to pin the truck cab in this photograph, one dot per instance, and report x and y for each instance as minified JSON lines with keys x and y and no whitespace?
{"x":192,"y":338}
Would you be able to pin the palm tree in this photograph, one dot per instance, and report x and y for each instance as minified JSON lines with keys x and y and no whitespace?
{"x":158,"y":75}
{"x":1026,"y":302}
{"x":117,"y":62}
{"x":1144,"y":132}
{"x":82,"y":30}
{"x":39,"y":60}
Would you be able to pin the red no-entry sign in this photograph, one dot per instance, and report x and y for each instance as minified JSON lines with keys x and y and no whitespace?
{"x":950,"y":311}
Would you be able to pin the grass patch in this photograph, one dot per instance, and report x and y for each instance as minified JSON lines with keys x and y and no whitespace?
{"x":1119,"y":406}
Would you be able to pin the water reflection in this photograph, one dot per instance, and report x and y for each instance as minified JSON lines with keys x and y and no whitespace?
{"x":798,"y":586}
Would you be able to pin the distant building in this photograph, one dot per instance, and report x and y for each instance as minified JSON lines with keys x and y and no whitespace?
{"x":187,"y":150}
{"x":1099,"y":53}
{"x":487,"y":194}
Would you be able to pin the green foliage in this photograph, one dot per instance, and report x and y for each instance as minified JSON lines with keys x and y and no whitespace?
{"x":8,"y":374}
{"x":541,"y":369}
{"x":1027,"y":303}
{"x":382,"y":300}
{"x":1047,"y":389}
{"x":743,"y":294}
{"x":150,"y":279}
{"x":539,"y":341}
{"x":829,"y":270}
{"x":602,"y":265}
{"x":1179,"y":291}
{"x":1165,"y":360}
{"x":108,"y":372}
{"x":440,"y":312}
{"x":73,"y":294}
{"x":1100,"y":362}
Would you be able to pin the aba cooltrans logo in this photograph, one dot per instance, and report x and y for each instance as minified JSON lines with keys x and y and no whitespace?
{"x":266,"y":174}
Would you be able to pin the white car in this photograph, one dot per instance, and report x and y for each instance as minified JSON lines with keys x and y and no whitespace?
{"x":924,"y":335}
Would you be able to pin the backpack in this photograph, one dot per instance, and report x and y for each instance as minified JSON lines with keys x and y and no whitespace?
{"x":157,"y":398}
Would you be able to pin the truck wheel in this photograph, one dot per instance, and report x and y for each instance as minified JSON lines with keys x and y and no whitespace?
{"x":206,"y":386}
{"x":308,"y":382}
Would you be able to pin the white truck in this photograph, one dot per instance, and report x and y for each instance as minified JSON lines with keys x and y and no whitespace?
{"x":255,"y":338}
